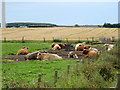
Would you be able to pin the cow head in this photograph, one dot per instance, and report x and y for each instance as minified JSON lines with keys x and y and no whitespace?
{"x":85,"y":51}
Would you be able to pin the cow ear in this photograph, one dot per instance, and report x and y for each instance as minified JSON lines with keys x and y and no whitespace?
{"x":53,"y":45}
{"x":39,"y":53}
{"x":23,"y":47}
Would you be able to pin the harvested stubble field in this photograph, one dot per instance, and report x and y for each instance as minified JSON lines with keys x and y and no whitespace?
{"x":72,"y":33}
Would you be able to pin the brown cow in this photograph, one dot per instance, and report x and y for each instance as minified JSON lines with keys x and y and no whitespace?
{"x":81,"y":48}
{"x":61,"y":45}
{"x":89,"y":53}
{"x":23,"y":51}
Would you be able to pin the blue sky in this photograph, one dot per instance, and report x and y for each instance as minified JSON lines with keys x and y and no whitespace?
{"x":63,"y":13}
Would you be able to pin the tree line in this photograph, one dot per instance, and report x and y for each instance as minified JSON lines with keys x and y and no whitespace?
{"x":108,"y":25}
{"x":27,"y":24}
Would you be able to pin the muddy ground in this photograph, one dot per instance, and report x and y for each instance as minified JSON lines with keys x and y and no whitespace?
{"x":62,"y":53}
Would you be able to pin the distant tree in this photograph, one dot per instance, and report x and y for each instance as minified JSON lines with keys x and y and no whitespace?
{"x":76,"y":25}
{"x":100,"y":25}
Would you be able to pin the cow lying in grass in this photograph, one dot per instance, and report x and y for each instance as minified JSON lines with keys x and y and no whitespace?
{"x":79,"y":44}
{"x":89,"y":53}
{"x":72,"y":55}
{"x":23,"y":51}
{"x":33,"y":55}
{"x":48,"y":56}
{"x":81,"y":48}
{"x":57,"y":46}
{"x":94,"y":49}
{"x":108,"y":47}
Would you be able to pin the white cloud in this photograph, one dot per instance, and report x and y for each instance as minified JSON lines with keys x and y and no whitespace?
{"x":61,"y":0}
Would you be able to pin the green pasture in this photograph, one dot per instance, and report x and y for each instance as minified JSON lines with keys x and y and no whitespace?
{"x":11,"y":47}
{"x":100,"y":73}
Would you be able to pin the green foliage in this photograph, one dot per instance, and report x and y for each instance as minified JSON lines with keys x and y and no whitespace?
{"x":27,"y":24}
{"x":108,"y":25}
{"x":57,"y":40}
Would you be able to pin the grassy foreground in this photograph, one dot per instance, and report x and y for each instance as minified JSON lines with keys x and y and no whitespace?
{"x":101,"y":73}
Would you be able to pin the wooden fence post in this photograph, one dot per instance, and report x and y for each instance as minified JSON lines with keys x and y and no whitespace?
{"x":76,"y":68}
{"x":39,"y":79}
{"x":79,"y":39}
{"x":113,"y":39}
{"x":23,"y":39}
{"x":67,"y":39}
{"x":53,"y":38}
{"x":92,"y":39}
{"x":118,"y":82}
{"x":68,"y":69}
{"x":87,"y":39}
{"x":4,"y":39}
{"x":55,"y":78}
{"x":44,"y":39}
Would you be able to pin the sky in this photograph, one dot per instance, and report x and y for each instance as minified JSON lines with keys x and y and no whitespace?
{"x":63,"y":13}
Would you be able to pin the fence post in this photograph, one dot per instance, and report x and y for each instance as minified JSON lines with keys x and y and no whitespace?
{"x":92,"y":39}
{"x":67,"y":39}
{"x":113,"y":39}
{"x":39,"y":79}
{"x":118,"y":82}
{"x":53,"y":38}
{"x":44,"y":39}
{"x":87,"y":39}
{"x":55,"y":78}
{"x":76,"y":68}
{"x":68,"y":69}
{"x":4,"y":39}
{"x":23,"y":39}
{"x":79,"y":39}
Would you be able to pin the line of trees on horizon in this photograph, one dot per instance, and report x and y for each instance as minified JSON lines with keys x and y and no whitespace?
{"x":23,"y":24}
{"x":108,"y":25}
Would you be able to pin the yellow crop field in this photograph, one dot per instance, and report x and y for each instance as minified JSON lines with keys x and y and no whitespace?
{"x":72,"y":33}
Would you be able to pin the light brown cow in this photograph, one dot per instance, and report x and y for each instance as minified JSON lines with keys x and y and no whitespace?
{"x":23,"y":51}
{"x":48,"y":56}
{"x":33,"y":55}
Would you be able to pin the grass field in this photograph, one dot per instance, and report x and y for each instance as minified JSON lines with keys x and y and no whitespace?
{"x":101,"y":73}
{"x":12,"y":48}
{"x":72,"y":33}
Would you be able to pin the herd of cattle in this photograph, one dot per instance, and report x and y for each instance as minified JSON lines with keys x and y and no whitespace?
{"x":87,"y":51}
